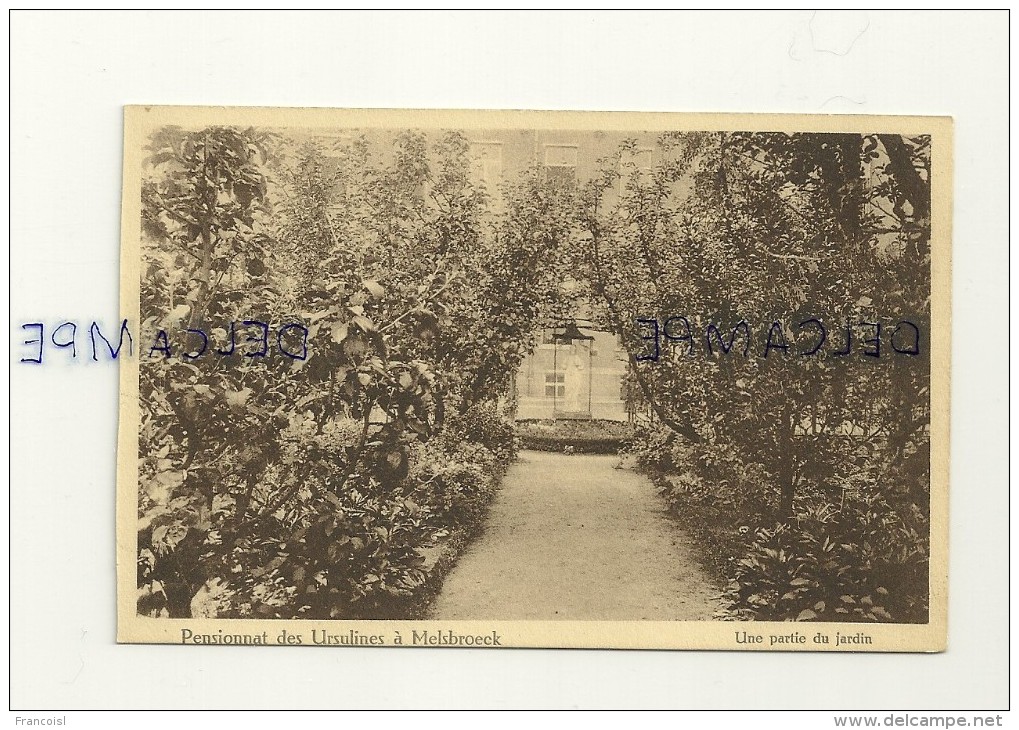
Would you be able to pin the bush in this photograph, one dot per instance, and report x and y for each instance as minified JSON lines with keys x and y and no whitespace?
{"x":456,"y":484}
{"x":707,"y":473}
{"x":652,"y":446}
{"x":349,"y":553}
{"x":582,"y":437}
{"x":372,"y":543}
{"x":482,"y":424}
{"x":279,"y":487}
{"x":467,"y":491}
{"x":862,"y":561}
{"x":338,"y":547}
{"x":862,"y":558}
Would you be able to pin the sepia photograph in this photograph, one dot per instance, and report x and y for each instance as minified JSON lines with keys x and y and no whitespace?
{"x":529,"y":372}
{"x":527,"y":360}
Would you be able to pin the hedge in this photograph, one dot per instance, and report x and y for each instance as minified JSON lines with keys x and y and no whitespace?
{"x":581,"y":437}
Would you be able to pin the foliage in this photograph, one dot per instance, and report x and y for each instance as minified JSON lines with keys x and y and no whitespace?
{"x":272,"y":486}
{"x":596,"y":436}
{"x":207,"y":202}
{"x":864,"y":557}
{"x":761,"y":228}
{"x":484,"y":424}
{"x":862,"y":560}
{"x":458,"y":473}
{"x":658,"y":450}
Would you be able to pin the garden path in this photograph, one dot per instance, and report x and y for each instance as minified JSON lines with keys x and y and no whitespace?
{"x":572,"y":537}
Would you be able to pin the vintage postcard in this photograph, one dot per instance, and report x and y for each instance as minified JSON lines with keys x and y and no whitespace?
{"x":533,"y":379}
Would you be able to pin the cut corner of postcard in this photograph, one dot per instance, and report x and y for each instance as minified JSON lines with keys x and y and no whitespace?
{"x":533,"y":379}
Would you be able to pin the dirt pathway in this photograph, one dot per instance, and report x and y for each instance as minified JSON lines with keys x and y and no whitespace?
{"x":570,"y":537}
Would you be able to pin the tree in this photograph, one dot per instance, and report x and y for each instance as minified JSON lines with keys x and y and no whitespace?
{"x":764,"y":228}
{"x":208,"y":199}
{"x":736,"y":246}
{"x":309,"y":487}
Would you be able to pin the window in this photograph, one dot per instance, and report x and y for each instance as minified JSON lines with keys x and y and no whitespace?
{"x":555,"y":385}
{"x":561,"y":162}
{"x":486,"y":165}
{"x":636,"y":165}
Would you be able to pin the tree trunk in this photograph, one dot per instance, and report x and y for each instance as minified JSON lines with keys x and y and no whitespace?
{"x":208,"y":197}
{"x":201,"y":301}
{"x":684,"y":429}
{"x":915,"y":189}
{"x":786,"y":470}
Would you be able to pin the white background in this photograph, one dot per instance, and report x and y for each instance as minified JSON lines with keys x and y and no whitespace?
{"x":71,"y":73}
